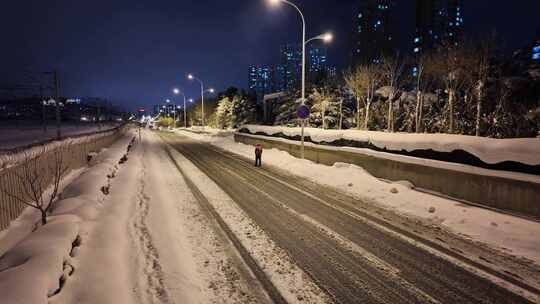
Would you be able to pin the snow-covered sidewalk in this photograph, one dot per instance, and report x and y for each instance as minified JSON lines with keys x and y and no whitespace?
{"x":513,"y":235}
{"x":150,"y":243}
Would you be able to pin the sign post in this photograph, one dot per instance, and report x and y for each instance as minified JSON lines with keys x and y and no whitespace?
{"x":303,"y":114}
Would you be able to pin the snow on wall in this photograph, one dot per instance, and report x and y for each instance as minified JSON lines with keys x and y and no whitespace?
{"x":489,"y":150}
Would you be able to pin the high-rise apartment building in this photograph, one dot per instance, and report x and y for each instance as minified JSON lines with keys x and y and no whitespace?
{"x":437,"y":21}
{"x":261,"y":80}
{"x":374,"y":32}
{"x":287,"y":75}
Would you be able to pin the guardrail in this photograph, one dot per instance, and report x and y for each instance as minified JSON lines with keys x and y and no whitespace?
{"x":516,"y":195}
{"x":75,"y":151}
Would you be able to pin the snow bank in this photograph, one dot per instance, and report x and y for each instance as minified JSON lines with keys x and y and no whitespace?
{"x":513,"y":235}
{"x":30,"y":272}
{"x":36,"y":267}
{"x":489,"y":150}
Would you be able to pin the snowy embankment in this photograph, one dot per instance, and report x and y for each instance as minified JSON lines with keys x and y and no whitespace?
{"x":513,"y":235}
{"x":489,"y":150}
{"x":35,"y":265}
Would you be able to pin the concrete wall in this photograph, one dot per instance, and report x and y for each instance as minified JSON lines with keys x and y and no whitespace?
{"x":497,"y":192}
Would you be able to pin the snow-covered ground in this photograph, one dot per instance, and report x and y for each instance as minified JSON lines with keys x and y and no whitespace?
{"x":510,"y":234}
{"x":17,"y":136}
{"x":143,"y":240}
{"x":32,"y":264}
{"x":489,"y":150}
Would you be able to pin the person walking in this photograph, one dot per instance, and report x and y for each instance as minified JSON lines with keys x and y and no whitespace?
{"x":258,"y":155}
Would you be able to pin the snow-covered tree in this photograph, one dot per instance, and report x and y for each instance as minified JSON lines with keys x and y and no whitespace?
{"x":286,"y":112}
{"x":243,"y":111}
{"x":325,"y":109}
{"x":363,"y":82}
{"x":392,"y":72}
{"x":453,"y":65}
{"x":223,"y":117}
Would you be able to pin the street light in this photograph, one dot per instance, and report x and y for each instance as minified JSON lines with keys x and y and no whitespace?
{"x":191,"y":77}
{"x":325,"y":37}
{"x":178,"y":92}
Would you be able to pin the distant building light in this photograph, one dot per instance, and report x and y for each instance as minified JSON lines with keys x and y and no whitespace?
{"x":536,"y":49}
{"x":536,"y":56}
{"x":417,"y":39}
{"x":416,"y":50}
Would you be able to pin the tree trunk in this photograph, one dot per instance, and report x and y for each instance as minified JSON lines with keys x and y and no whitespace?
{"x":366,"y":122}
{"x":323,"y":117}
{"x":419,"y":110}
{"x":391,"y":113}
{"x":358,"y":114}
{"x":479,"y":101}
{"x":341,"y":114}
{"x":451,"y":101}
{"x":43,"y":217}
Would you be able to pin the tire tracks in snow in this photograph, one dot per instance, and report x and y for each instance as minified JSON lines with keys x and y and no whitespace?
{"x":150,"y":285}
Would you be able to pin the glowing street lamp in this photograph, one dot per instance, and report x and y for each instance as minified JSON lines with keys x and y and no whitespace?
{"x":191,"y":77}
{"x":177,"y":91}
{"x":325,"y":37}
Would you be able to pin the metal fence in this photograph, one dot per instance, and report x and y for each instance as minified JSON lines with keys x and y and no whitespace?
{"x":73,"y":152}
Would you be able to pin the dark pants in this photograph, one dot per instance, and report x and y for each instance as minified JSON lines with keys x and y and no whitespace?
{"x":258,"y":161}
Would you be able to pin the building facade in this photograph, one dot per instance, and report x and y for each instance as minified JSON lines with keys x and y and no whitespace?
{"x":374,"y":33}
{"x":261,"y":80}
{"x":437,"y":21}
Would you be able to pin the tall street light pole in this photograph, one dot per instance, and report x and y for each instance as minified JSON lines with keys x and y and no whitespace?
{"x":178,"y":92}
{"x":191,"y":77}
{"x":325,"y":37}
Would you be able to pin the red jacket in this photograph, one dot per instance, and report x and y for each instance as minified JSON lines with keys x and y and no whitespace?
{"x":258,"y":150}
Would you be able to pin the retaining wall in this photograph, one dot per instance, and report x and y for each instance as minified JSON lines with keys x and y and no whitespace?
{"x":515,"y":195}
{"x":41,"y":159}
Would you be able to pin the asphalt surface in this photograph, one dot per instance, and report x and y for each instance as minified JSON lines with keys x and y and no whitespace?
{"x":349,"y":257}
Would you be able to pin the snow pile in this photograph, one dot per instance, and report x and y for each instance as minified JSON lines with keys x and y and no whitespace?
{"x":35,"y":266}
{"x":514,"y":235}
{"x":489,"y":150}
{"x":30,"y":272}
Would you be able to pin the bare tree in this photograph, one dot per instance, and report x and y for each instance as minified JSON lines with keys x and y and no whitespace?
{"x":363,"y":82}
{"x":33,"y":178}
{"x":453,"y":66}
{"x":482,"y":63}
{"x":392,"y":69}
{"x":423,"y":76}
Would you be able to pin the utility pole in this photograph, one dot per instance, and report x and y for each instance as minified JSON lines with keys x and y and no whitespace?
{"x":43,"y":110}
{"x":57,"y":102}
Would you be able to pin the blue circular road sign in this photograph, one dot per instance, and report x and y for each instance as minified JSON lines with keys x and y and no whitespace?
{"x":303,"y":112}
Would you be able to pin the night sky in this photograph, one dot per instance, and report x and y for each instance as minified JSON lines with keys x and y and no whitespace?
{"x":134,"y":52}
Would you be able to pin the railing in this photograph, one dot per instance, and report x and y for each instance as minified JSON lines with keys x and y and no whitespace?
{"x":74,"y":154}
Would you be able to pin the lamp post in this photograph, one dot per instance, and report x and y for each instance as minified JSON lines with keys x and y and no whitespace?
{"x":325,"y":37}
{"x":178,"y":92}
{"x":191,"y":77}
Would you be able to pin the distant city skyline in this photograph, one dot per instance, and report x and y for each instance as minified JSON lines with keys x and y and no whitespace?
{"x":142,"y":50}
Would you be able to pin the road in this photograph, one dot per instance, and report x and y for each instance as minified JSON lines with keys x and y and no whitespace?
{"x":353,"y":258}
